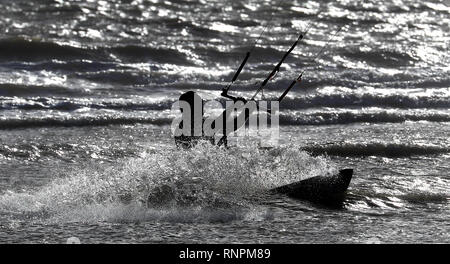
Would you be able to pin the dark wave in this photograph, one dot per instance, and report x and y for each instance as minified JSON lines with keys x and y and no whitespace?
{"x":365,"y":100}
{"x":426,"y":197}
{"x":19,"y":49}
{"x":350,"y":79}
{"x":386,"y":58}
{"x":7,"y":89}
{"x":73,"y":104}
{"x":135,"y":53}
{"x":80,"y":122}
{"x":79,"y":66}
{"x":327,"y":118}
{"x":375,"y":149}
{"x":117,"y":77}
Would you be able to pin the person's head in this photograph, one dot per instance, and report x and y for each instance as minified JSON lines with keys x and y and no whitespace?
{"x":192,"y":99}
{"x":195,"y":103}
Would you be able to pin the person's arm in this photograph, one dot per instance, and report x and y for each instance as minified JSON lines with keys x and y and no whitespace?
{"x":235,"y":99}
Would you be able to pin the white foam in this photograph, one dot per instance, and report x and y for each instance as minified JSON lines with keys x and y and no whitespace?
{"x":208,"y":184}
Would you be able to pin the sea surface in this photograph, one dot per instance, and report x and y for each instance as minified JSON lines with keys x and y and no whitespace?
{"x":86,"y":90}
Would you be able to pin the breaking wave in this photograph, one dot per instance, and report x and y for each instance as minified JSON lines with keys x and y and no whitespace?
{"x":63,"y":151}
{"x":205,"y":183}
{"x":149,"y":103}
{"x":162,"y":118}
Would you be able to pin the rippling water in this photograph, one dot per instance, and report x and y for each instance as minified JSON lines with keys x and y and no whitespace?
{"x":86,"y":89}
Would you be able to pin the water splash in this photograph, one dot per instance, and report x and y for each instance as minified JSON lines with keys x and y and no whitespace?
{"x":205,"y":183}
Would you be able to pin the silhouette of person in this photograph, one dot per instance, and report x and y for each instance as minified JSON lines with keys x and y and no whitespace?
{"x":190,"y":137}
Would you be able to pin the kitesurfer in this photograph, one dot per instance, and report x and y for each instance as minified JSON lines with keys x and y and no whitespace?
{"x":190,"y":137}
